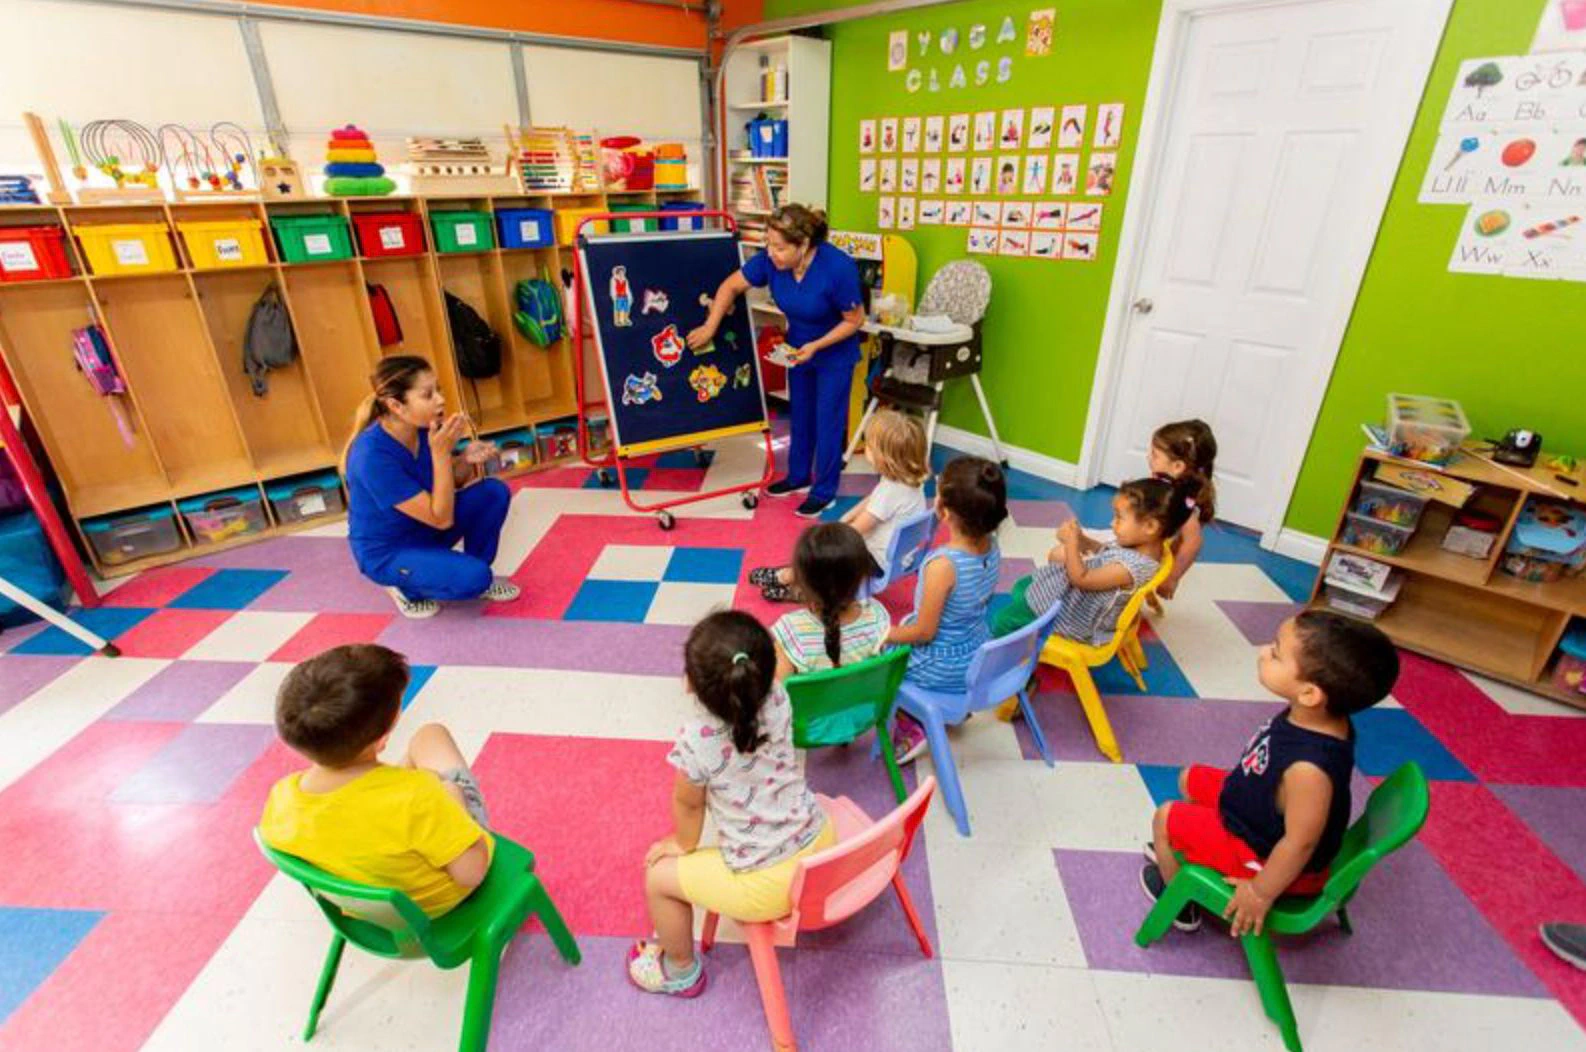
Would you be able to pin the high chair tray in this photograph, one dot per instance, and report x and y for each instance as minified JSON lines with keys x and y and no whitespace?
{"x":958,"y":334}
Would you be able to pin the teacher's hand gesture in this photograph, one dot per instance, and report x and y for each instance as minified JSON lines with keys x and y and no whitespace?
{"x":699,"y":337}
{"x":444,"y":437}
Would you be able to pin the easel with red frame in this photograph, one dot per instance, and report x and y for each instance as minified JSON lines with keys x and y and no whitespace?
{"x":612,"y":461}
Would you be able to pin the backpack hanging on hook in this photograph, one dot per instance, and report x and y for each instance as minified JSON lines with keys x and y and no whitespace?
{"x":270,"y":342}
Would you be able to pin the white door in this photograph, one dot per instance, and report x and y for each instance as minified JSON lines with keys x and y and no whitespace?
{"x":1280,"y":132}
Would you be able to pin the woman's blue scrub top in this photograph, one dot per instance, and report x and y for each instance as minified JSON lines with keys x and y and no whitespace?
{"x":816,"y":304}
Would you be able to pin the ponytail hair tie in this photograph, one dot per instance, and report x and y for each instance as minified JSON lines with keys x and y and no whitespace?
{"x":740,"y":658}
{"x":1189,"y":502}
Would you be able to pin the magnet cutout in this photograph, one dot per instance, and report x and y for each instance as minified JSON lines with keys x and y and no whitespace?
{"x":621,"y":298}
{"x":707,"y":382}
{"x":637,"y":390}
{"x":668,"y":346}
{"x":655,"y":302}
{"x":742,"y":376}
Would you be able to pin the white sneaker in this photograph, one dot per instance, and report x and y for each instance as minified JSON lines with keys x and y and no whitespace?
{"x":414,"y":609}
{"x":501,"y":590}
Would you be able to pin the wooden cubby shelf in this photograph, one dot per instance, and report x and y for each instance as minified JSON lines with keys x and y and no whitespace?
{"x":190,"y":423}
{"x":1467,"y":611}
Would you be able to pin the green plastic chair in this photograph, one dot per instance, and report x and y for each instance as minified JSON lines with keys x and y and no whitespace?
{"x":1394,"y":813}
{"x":836,"y":705}
{"x":387,"y":923}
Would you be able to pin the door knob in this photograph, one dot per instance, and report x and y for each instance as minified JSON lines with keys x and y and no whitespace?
{"x":1143,"y":306}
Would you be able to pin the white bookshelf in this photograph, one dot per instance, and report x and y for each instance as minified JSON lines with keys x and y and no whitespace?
{"x":807,"y":109}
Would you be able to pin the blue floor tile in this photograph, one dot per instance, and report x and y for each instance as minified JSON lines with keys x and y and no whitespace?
{"x":684,"y":458}
{"x":33,"y":943}
{"x":1163,"y":679}
{"x":612,"y":601}
{"x":636,"y":479}
{"x":1161,"y":781}
{"x":418,"y":675}
{"x":704,"y":565}
{"x":107,"y":621}
{"x":228,"y":590}
{"x":1387,"y":738}
{"x":839,"y":507}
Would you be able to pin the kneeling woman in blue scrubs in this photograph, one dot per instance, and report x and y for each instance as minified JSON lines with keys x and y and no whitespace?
{"x":403,"y":515}
{"x":816,"y":285}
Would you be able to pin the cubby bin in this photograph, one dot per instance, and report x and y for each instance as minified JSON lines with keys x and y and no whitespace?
{"x":634,"y":226}
{"x":526,"y":227}
{"x":305,"y":497}
{"x":557,"y":439}
{"x":519,"y":450}
{"x":1390,"y":504}
{"x":598,"y":425}
{"x":223,"y":516}
{"x":1569,"y":671}
{"x":389,"y":234}
{"x":33,"y":253}
{"x":567,"y":220}
{"x":1375,"y":536}
{"x":683,"y":221}
{"x":127,"y":248}
{"x":312,"y":238}
{"x":130,"y":535}
{"x":219,"y":243}
{"x":462,"y":231}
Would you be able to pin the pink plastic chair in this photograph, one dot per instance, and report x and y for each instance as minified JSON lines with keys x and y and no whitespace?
{"x":831,"y":886}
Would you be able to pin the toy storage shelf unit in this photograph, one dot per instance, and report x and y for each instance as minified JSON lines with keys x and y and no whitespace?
{"x":1465,"y":609}
{"x":172,"y":287}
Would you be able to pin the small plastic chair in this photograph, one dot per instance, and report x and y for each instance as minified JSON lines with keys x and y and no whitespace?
{"x":829,"y":887}
{"x":1000,"y":669}
{"x":905,"y":551}
{"x":1077,"y":659}
{"x":836,"y":705}
{"x":1394,"y":814}
{"x":387,"y":923}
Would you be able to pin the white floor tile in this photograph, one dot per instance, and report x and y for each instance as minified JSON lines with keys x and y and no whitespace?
{"x":1001,"y":902}
{"x":1097,"y":807}
{"x":1243,"y":581}
{"x":1517,"y":702}
{"x":1216,"y":658}
{"x":996,"y":1007}
{"x":683,"y":602}
{"x":552,"y":701}
{"x":631,"y":562}
{"x":57,"y":712}
{"x":252,"y":700}
{"x":248,"y":635}
{"x":1002,"y":800}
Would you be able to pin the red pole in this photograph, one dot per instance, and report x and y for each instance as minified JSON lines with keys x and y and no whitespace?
{"x":39,"y":497}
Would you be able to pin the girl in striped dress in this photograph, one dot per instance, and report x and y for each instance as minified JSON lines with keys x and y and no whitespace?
{"x":955,"y":588}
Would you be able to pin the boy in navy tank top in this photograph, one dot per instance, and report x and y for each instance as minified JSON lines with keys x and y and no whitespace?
{"x":1273,"y":824}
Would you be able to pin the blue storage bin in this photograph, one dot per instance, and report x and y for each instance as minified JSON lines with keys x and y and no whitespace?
{"x":526,"y":227}
{"x":129,"y":535}
{"x":305,"y":497}
{"x":778,"y":138}
{"x":216,"y":517}
{"x":683,"y":222}
{"x":27,"y":561}
{"x":761,"y":136}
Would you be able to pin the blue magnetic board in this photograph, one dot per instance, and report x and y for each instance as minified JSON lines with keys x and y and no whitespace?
{"x":659,"y":391}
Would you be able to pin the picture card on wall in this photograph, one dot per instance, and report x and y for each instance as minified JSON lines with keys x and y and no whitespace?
{"x":1109,"y":126}
{"x":1014,"y":242}
{"x":987,"y":213}
{"x":867,"y":136}
{"x":958,"y":213}
{"x":958,"y":133}
{"x":1016,"y":214}
{"x":1079,"y":246}
{"x":889,"y":135}
{"x":909,"y":175}
{"x":1065,"y":174}
{"x":1562,"y":27}
{"x":983,"y":241}
{"x":980,"y":176}
{"x":1071,"y":129}
{"x":1084,"y":216}
{"x":1008,"y":174}
{"x":953,"y":183}
{"x":1038,"y":33}
{"x":889,"y":175}
{"x":933,"y":134}
{"x":1098,"y":177}
{"x":911,"y":135}
{"x":1049,"y":215}
{"x":1046,"y":245}
{"x":1549,"y":245}
{"x":1043,"y":120}
{"x":897,"y":50}
{"x":886,"y":212}
{"x":867,"y":175}
{"x":1035,"y":174}
{"x":931,"y":211}
{"x":905,"y":213}
{"x":985,"y":130}
{"x":1011,"y":137}
{"x":1486,"y":238}
{"x":931,"y":175}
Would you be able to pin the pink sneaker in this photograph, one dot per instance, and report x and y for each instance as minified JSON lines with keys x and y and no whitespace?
{"x":908,"y":739}
{"x":647,"y":971}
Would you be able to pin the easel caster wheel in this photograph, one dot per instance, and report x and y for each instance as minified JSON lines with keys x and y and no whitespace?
{"x":665,"y":520}
{"x":751,"y":501}
{"x":605,"y":477}
{"x":703,"y":457}
{"x":110,"y":650}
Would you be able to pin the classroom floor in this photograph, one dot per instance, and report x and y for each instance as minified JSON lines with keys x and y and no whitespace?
{"x":136,"y":912}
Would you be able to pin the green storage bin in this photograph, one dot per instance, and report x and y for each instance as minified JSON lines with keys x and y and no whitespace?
{"x":312,"y":239}
{"x":634,"y":226}
{"x":463,"y":231}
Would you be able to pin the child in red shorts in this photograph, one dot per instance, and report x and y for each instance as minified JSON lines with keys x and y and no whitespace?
{"x":1273,"y":824}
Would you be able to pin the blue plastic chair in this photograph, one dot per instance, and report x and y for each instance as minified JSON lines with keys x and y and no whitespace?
{"x":1000,"y":669}
{"x":905,"y":551}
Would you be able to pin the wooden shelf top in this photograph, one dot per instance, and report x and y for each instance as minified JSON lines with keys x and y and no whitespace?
{"x":1472,"y":468}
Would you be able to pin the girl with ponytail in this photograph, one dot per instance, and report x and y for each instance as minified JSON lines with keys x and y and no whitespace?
{"x":410,"y":499}
{"x":1185,"y":449}
{"x":734,"y":757}
{"x":831,"y":563}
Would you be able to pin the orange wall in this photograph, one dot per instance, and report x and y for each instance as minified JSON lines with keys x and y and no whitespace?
{"x":602,"y":19}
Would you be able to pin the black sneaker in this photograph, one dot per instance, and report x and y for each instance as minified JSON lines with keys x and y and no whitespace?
{"x":761,"y":576}
{"x":782,"y":487}
{"x":1566,"y":940}
{"x":1189,"y":918}
{"x":811,"y":508}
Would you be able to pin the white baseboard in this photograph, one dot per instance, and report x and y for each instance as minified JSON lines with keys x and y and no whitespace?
{"x":1302,"y":546}
{"x":1038,"y":464}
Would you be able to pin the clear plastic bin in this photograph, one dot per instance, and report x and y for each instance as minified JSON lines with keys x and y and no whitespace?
{"x":305,"y":497}
{"x":130,"y":535}
{"x":1425,"y":429}
{"x":1378,"y":500}
{"x":216,"y":517}
{"x":1374,"y":535}
{"x":1359,"y":603}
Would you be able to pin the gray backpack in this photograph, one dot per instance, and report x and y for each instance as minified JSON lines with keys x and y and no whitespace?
{"x":270,"y":342}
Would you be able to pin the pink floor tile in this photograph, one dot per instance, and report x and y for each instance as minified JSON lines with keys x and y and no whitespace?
{"x":170,"y":633}
{"x":157,"y":587}
{"x":332,"y":630}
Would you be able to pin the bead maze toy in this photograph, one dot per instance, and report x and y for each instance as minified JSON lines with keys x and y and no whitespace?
{"x":122,"y":150}
{"x":204,"y":167}
{"x":455,"y":166}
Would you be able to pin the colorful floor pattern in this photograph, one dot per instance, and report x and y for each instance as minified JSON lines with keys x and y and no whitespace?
{"x":135,"y":912}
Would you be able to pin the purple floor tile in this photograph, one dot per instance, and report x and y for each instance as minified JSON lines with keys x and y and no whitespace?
{"x":1037,"y":513}
{"x":461,"y":636}
{"x":280,"y":553}
{"x":321,"y":576}
{"x":851,"y":485}
{"x":23,"y":675}
{"x":1011,"y":570}
{"x":842,"y":1001}
{"x":1258,"y":622}
{"x":1414,"y":930}
{"x":197,"y":766}
{"x":181,"y":691}
{"x":1150,"y":730}
{"x":13,"y":637}
{"x":1555,"y":816}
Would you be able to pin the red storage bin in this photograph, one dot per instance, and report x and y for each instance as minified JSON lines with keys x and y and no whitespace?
{"x":389,"y":233}
{"x":32,"y":253}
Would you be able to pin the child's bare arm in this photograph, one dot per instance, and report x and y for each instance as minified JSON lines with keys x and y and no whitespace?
{"x":784,"y":667}
{"x":939,"y":579}
{"x":1103,"y":578}
{"x":1304,"y":798}
{"x":1191,"y":538}
{"x":854,"y":512}
{"x":470,"y":867}
{"x":688,"y":812}
{"x":863,"y":521}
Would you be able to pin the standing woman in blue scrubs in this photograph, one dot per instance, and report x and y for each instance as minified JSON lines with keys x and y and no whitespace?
{"x":403,"y":515}
{"x":817,"y":286}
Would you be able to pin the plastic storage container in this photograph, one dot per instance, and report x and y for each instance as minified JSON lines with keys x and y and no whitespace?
{"x":1378,"y":500}
{"x":526,"y":227}
{"x":1374,"y":535}
{"x":312,"y":239}
{"x":33,"y":253}
{"x":216,"y":517}
{"x":305,"y":497}
{"x":1569,"y":672}
{"x":567,"y":220}
{"x":219,"y":243}
{"x":1425,"y":429}
{"x":1359,"y":600}
{"x":1472,"y":533}
{"x":557,"y":439}
{"x":389,"y":234}
{"x":599,"y":427}
{"x":130,"y":535}
{"x":1548,"y":541}
{"x":682,"y":221}
{"x":519,"y":450}
{"x":462,"y":231}
{"x":27,"y":561}
{"x":127,"y":248}
{"x":634,"y":226}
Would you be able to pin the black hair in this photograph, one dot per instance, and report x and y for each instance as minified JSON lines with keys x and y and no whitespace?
{"x":830,"y":564}
{"x":332,"y":706}
{"x":1166,"y":503}
{"x":976,"y":492}
{"x":1353,"y":663}
{"x":730,"y":662}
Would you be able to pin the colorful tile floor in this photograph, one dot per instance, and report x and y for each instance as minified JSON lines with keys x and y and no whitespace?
{"x":135,"y":912}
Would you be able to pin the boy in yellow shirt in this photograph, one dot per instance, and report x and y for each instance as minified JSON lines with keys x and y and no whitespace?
{"x":417,"y":827}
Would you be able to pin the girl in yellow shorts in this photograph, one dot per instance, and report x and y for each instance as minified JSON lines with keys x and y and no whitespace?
{"x":736,"y":759}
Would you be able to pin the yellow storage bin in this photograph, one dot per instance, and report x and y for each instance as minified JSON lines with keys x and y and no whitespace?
{"x":218,"y":243}
{"x":127,"y":248}
{"x":567,"y":220}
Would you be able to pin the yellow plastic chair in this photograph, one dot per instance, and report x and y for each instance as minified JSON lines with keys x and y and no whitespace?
{"x":1077,"y":659}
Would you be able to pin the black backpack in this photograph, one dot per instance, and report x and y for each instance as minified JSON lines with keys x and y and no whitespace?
{"x":270,"y":342}
{"x":476,"y":343}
